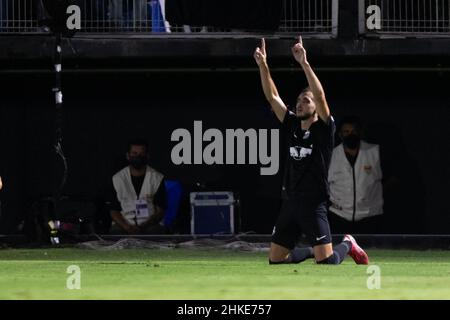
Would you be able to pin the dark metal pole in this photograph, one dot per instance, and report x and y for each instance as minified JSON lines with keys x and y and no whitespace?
{"x":57,"y":187}
{"x":59,"y":114}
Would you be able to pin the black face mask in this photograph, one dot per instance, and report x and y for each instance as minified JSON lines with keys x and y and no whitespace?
{"x":138,"y":162}
{"x":351,"y":141}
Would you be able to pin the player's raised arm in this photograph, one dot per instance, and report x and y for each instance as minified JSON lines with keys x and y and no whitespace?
{"x":322,"y":109}
{"x":269,"y":88}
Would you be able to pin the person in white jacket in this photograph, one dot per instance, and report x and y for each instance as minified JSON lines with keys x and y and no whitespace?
{"x":355,"y":178}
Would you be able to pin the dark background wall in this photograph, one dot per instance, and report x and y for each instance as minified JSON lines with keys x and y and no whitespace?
{"x":406,"y":112}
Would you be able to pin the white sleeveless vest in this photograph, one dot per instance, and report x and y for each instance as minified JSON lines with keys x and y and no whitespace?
{"x":127,"y":195}
{"x":367,"y":184}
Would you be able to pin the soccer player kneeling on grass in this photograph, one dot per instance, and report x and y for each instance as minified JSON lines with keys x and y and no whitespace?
{"x":310,"y":141}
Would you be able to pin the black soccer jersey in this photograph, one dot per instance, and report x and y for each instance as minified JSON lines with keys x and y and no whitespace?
{"x":308,"y":156}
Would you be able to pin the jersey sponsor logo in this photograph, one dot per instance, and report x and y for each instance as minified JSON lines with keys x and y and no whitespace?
{"x":298,"y":153}
{"x":320,"y":238}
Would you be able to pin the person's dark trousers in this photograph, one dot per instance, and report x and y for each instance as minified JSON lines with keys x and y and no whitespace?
{"x":4,"y":4}
{"x":372,"y":225}
{"x":100,"y":9}
{"x":156,"y":229}
{"x":39,"y":9}
{"x":42,"y":15}
{"x":96,"y":13}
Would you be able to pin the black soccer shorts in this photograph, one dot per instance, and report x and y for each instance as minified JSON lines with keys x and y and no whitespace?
{"x":302,"y":215}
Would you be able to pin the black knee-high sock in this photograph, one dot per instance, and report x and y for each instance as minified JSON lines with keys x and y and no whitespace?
{"x":297,"y":255}
{"x":339,"y":253}
{"x":301,"y":254}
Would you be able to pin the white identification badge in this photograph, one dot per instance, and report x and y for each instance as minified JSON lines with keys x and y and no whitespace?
{"x":142,"y":208}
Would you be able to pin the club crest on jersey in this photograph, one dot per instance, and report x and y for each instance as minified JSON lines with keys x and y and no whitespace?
{"x":298,"y":153}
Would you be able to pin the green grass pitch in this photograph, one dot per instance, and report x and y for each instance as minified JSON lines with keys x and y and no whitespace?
{"x":217,"y":274}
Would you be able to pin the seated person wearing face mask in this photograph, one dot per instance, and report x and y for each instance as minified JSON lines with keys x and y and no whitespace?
{"x":138,"y":197}
{"x":355,"y":176}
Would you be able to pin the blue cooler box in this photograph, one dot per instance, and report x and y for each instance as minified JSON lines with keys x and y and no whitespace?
{"x":212,"y":212}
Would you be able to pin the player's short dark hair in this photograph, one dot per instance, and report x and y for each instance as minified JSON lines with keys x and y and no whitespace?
{"x":354,"y":121}
{"x":138,"y":142}
{"x":307,"y":89}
